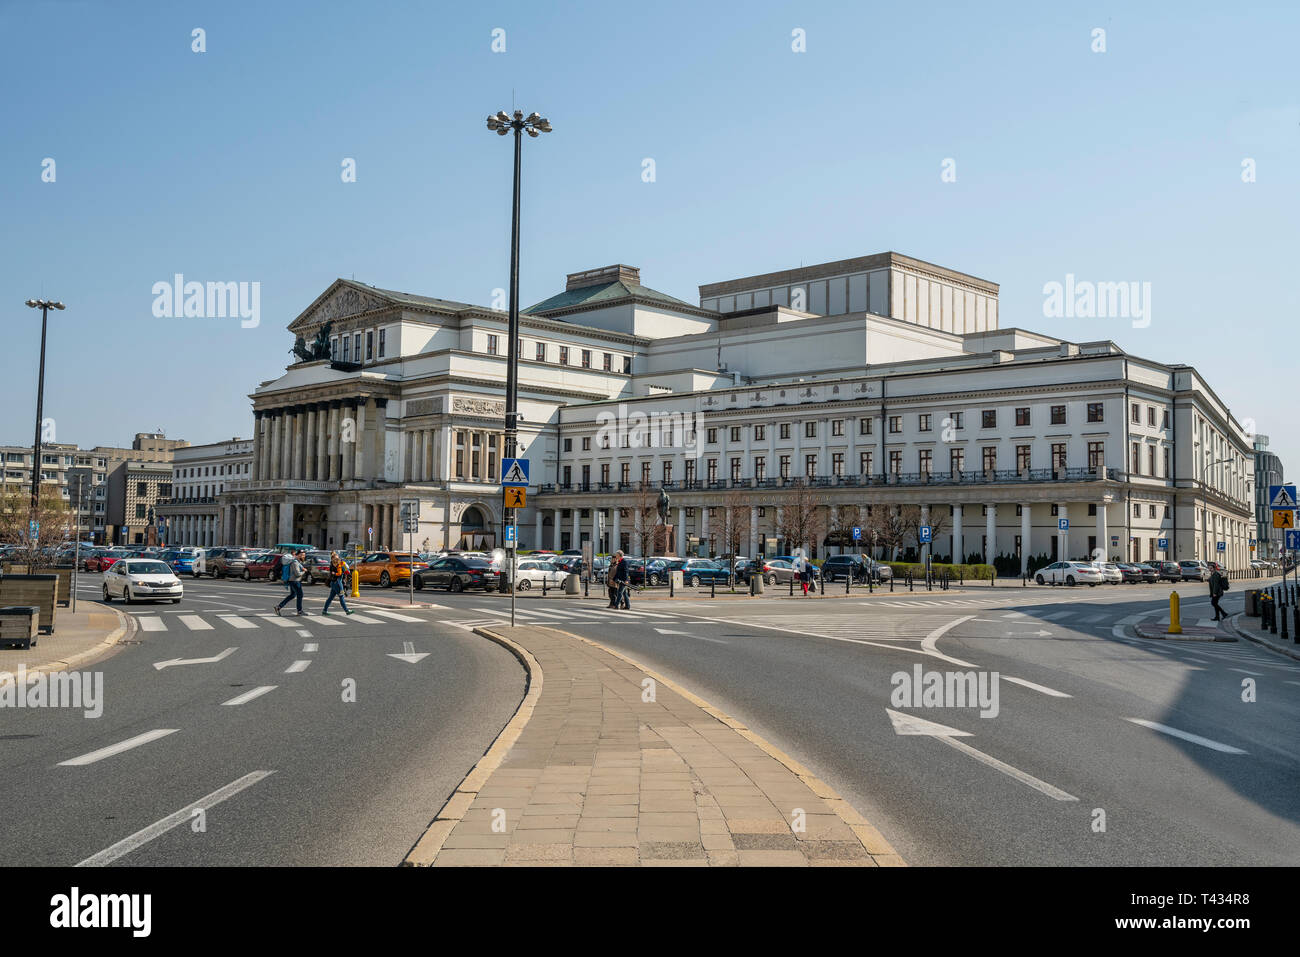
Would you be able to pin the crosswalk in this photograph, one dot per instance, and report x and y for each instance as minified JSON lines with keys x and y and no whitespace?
{"x":558,"y":616}
{"x":208,"y":621}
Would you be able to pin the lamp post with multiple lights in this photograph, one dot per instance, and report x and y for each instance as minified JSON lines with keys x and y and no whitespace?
{"x":533,"y":124}
{"x":44,"y":305}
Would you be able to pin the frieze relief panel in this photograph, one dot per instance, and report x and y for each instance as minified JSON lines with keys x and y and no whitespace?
{"x":429,"y":406}
{"x":471,"y":406}
{"x":345,"y":302}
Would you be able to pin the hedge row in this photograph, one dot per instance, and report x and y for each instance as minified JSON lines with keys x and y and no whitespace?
{"x":967,"y":571}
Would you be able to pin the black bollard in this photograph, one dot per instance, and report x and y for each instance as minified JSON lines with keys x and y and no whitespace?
{"x":791,"y":586}
{"x":1272,"y":616}
{"x":891,"y":584}
{"x":713,"y":588}
{"x":848,"y":580}
{"x":909,"y":580}
{"x":543,"y":586}
{"x":1285,"y":636}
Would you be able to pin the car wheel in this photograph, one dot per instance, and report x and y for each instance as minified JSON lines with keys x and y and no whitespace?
{"x":419,"y":583}
{"x":654,"y":579}
{"x":695,"y":581}
{"x":1039,"y":579}
{"x":384,"y":580}
{"x":771,"y":579}
{"x":246,"y":576}
{"x":176,"y":601}
{"x":1092,"y":584}
{"x":1069,"y":580}
{"x":107,"y":597}
{"x":457,"y":586}
{"x":524,"y":584}
{"x":126,"y":595}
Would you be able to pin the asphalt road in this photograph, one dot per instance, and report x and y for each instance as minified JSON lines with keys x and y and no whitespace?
{"x":253,"y":727}
{"x":1106,"y":749}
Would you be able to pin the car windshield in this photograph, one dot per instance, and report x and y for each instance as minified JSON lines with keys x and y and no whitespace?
{"x":475,"y":563}
{"x":147,"y":568}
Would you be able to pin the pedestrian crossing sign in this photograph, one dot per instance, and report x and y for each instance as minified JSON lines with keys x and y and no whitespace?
{"x":514,"y":472}
{"x":1283,"y":519}
{"x":516,"y":497}
{"x":1281,"y":498}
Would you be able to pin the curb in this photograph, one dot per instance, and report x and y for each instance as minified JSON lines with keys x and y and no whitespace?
{"x":1137,"y":629}
{"x":423,"y":852}
{"x":126,"y":627}
{"x":881,"y":851}
{"x":1271,"y":646}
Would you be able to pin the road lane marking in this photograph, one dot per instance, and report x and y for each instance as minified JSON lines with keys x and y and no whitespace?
{"x":195,"y":623}
{"x":364,"y":620}
{"x":1253,"y":674}
{"x":669,"y":631}
{"x":143,"y":836}
{"x":298,"y":666}
{"x":248,"y":696}
{"x":151,"y":623}
{"x":310,"y":647}
{"x":326,"y":620}
{"x":236,"y":622}
{"x":929,"y":642}
{"x":304,"y":633}
{"x":277,"y":620}
{"x":409,"y":654}
{"x":118,"y":748}
{"x":394,"y":615}
{"x":160,"y":665}
{"x":1187,"y":736}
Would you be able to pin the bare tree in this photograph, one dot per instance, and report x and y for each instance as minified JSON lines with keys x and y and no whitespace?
{"x":803,"y":516}
{"x":55,"y":524}
{"x":911,"y":519}
{"x":645,"y":518}
{"x":888,"y":529}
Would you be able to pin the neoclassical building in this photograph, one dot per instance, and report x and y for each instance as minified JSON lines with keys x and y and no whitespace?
{"x":833,"y":390}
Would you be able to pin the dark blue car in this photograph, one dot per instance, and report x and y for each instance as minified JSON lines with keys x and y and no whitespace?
{"x":182,"y":561}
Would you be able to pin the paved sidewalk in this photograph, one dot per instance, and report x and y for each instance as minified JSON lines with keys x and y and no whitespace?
{"x":77,"y":640}
{"x":1248,"y":628}
{"x":590,"y":773}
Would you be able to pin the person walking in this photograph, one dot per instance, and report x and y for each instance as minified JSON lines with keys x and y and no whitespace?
{"x":622,"y":578}
{"x":292,"y":577}
{"x":804,"y":575}
{"x":338,"y":581}
{"x":611,"y":583}
{"x":1218,"y":585}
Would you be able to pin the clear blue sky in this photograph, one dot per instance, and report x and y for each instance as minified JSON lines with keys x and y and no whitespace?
{"x":225,"y":165}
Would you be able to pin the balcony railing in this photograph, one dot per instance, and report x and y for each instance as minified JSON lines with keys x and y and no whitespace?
{"x":980,"y":477}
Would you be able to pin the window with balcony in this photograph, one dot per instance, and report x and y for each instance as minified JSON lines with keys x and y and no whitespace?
{"x":785,"y":466}
{"x":604,"y":473}
{"x":810,"y":466}
{"x":956,"y":461}
{"x":690,"y":470}
{"x":990,"y":456}
{"x":895,"y":462}
{"x":864,"y":463}
{"x":567,"y":480}
{"x":712,"y":473}
{"x":625,"y":472}
{"x":1096,"y":455}
{"x":925,"y":461}
{"x":1058,"y":457}
{"x":735,"y":470}
{"x":837,"y":463}
{"x":760,"y":467}
{"x":1022,"y":458}
{"x":645,"y":473}
{"x":668,"y":472}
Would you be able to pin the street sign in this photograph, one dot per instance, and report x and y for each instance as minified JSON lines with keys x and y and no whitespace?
{"x":1281,"y":498}
{"x":1063,"y":524}
{"x":510,"y":534}
{"x":1283,"y":519}
{"x":33,"y":528}
{"x":925,"y":533}
{"x":1162,"y":544}
{"x":1114,"y":541}
{"x":514,"y":472}
{"x":1221,"y":546}
{"x":1293,"y":539}
{"x":516,"y":497}
{"x":857,"y":533}
{"x":409,"y":514}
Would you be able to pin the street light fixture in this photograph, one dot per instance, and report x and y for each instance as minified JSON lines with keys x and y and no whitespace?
{"x":44,"y":305}
{"x":502,"y":123}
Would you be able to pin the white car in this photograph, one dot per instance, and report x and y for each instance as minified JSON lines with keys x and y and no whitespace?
{"x":1110,"y":571}
{"x":1070,"y":573}
{"x":142,"y":579}
{"x":534,"y":572}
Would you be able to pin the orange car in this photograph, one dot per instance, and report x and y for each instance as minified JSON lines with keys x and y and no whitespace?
{"x":385,"y":568}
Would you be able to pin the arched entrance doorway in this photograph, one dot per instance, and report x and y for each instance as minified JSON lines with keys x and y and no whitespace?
{"x":476,"y":534}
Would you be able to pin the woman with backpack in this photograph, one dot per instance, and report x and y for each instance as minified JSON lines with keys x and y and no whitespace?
{"x":291,"y":575}
{"x":338,"y":579}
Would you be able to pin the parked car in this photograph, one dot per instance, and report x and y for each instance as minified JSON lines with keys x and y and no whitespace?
{"x":230,"y":563}
{"x":105,"y":559}
{"x":387,"y":568}
{"x":139,"y":579}
{"x":1110,"y":572}
{"x":262,"y":565}
{"x":532,"y":572}
{"x":457,"y":574}
{"x":1170,"y":571}
{"x":776,"y":570}
{"x":702,"y":571}
{"x":1070,"y":573}
{"x":1149,"y":571}
{"x":317,"y":565}
{"x":1129,"y":573}
{"x":182,"y":560}
{"x":1196,"y":571}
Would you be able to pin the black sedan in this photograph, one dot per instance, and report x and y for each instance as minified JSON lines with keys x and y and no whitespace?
{"x":457,"y":574}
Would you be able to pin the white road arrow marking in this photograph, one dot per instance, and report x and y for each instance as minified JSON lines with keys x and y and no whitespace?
{"x":910,"y":724}
{"x":409,"y":654}
{"x":160,"y":665}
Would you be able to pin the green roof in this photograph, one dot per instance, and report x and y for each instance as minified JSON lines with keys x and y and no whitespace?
{"x":606,"y":294}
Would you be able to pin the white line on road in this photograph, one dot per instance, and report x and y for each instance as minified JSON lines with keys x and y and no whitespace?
{"x":928,"y":643}
{"x":235,"y":621}
{"x":310,"y":647}
{"x":394,"y":615}
{"x":364,"y":620}
{"x":150,"y":623}
{"x":195,"y":623}
{"x":248,"y":696}
{"x":1188,"y":736}
{"x":145,"y":835}
{"x":304,"y":633}
{"x":669,"y":631}
{"x":160,"y":665}
{"x":118,"y":748}
{"x":277,"y":620}
{"x":297,"y":666}
{"x":1041,"y":688}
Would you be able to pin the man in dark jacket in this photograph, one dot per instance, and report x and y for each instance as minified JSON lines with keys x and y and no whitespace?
{"x":1218,"y":585}
{"x":621,"y":577}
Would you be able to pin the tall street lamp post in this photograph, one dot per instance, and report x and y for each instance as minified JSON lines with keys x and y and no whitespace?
{"x":533,"y":124}
{"x":44,"y":305}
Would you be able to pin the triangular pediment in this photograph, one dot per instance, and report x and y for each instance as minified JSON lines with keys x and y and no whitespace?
{"x":342,"y":299}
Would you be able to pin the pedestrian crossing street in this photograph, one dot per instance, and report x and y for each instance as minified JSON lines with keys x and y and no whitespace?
{"x":208,"y":621}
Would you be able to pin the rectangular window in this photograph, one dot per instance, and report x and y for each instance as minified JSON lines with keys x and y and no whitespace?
{"x":925,"y":461}
{"x":735,"y":434}
{"x":1022,"y":416}
{"x":785,"y":466}
{"x":735,"y":470}
{"x":712,"y":473}
{"x":712,"y":436}
{"x":1166,"y":459}
{"x":568,"y":445}
{"x":1058,"y":456}
{"x":690,"y":470}
{"x":586,"y":443}
{"x":1135,"y":413}
{"x":760,"y":467}
{"x":381,"y":342}
{"x":609,"y":362}
{"x":990,"y":455}
{"x":541,"y":352}
{"x":864,"y":463}
{"x":370,"y":345}
{"x":668,"y":472}
{"x":810,"y":466}
{"x":810,"y":430}
{"x":760,"y":433}
{"x":1022,"y":458}
{"x":895,"y":424}
{"x":645,"y":473}
{"x":896,"y":462}
{"x":139,"y":511}
{"x":627,"y":365}
{"x":864,"y":426}
{"x":956,"y":461}
{"x":1137,"y":510}
{"x":1096,"y":412}
{"x":1151,"y":460}
{"x":1137,"y":459}
{"x":564,"y":355}
{"x":1096,"y":455}
{"x":1164,"y":421}
{"x":604,"y":474}
{"x":989,"y":419}
{"x":923,"y":423}
{"x":1151,"y":415}
{"x":492,"y":346}
{"x":837,"y":463}
{"x":586,"y":358}
{"x":1058,"y":415}
{"x":785,"y":430}
{"x":356,"y":347}
{"x":1151,"y":511}
{"x":586,"y":476}
{"x":837,"y":427}
{"x":347,"y":348}
{"x":625,"y":472}
{"x":568,"y":474}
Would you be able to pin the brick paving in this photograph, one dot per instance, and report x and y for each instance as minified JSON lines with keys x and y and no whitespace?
{"x":601,"y":777}
{"x":74,"y":636}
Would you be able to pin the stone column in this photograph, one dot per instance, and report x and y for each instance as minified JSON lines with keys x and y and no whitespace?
{"x":958,"y":545}
{"x":704,"y":531}
{"x":555,"y":529}
{"x":322,"y":442}
{"x":1062,"y":538}
{"x":430,"y":436}
{"x":290,"y":434}
{"x":991,"y":532}
{"x":681,"y":531}
{"x":925,"y":520}
{"x":299,"y":442}
{"x":1103,"y":536}
{"x":753,"y":532}
{"x":1026,"y":529}
{"x":272,"y":451}
{"x":350,"y":415}
{"x":415,"y":440}
{"x":257,"y":445}
{"x":576,"y":541}
{"x":616,"y":542}
{"x":332,"y":442}
{"x":537,"y":537}
{"x":637,"y":527}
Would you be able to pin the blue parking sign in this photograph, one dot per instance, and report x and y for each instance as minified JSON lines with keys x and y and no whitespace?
{"x":1162,"y":543}
{"x":1063,"y":524}
{"x":857,"y":532}
{"x":925,"y":534}
{"x":1222,"y":546}
{"x":510,"y":534}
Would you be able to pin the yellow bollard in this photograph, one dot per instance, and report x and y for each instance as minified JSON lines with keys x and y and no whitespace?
{"x":356,"y":583}
{"x":1175,"y":622}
